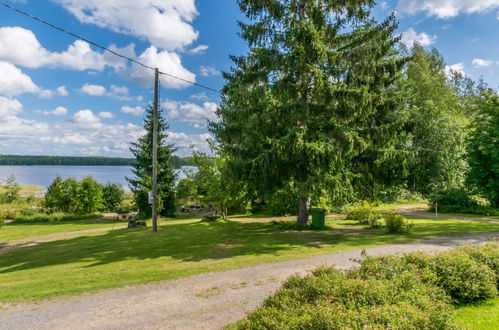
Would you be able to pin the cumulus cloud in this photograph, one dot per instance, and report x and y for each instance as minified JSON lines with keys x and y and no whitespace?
{"x":14,"y":82}
{"x":106,"y":115}
{"x":86,"y":117}
{"x":119,"y":90}
{"x":59,"y":111}
{"x":30,"y":53}
{"x":447,"y":8}
{"x":135,"y":111}
{"x":208,"y":71}
{"x":165,"y":61}
{"x":9,"y":107}
{"x":62,"y":91}
{"x":480,"y":63}
{"x":94,"y":90}
{"x":410,"y":37}
{"x":166,"y":24}
{"x":455,"y":68}
{"x":192,"y":113}
{"x":188,"y":142}
{"x":200,"y":96}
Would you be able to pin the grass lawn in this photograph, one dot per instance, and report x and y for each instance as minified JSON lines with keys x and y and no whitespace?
{"x":186,"y":247}
{"x":483,"y":316}
{"x":13,"y":231}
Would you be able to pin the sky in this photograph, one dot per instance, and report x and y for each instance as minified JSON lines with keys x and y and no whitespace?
{"x":62,"y":96}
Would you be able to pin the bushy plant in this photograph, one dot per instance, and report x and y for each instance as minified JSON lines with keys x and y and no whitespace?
{"x":365,"y":215}
{"x":112,"y":196}
{"x":414,"y":291}
{"x":328,"y":299}
{"x":487,"y":254}
{"x":453,"y":200}
{"x":396,"y":223}
{"x":464,"y":279}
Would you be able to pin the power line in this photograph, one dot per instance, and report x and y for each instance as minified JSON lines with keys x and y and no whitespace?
{"x":105,"y":48}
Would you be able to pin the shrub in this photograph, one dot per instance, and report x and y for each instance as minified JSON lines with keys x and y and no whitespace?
{"x":365,"y":215}
{"x":39,"y":217}
{"x":453,"y":200}
{"x":464,"y":279}
{"x":112,"y":196}
{"x":409,"y":292}
{"x":396,"y":223}
{"x":328,"y":299}
{"x":487,"y":255}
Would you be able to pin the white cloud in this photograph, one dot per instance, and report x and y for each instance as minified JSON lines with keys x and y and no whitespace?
{"x":9,"y":107}
{"x":59,"y":111}
{"x":165,"y":61}
{"x":192,"y":113}
{"x":106,"y":114}
{"x":62,"y":91}
{"x":207,"y":71}
{"x":199,"y":49}
{"x":166,"y":24}
{"x":135,"y":111}
{"x":86,"y":117}
{"x":187,"y":142}
{"x":480,"y":63}
{"x":121,"y":90}
{"x":94,"y":90}
{"x":200,"y":96}
{"x":457,"y":68}
{"x":14,"y":82}
{"x":410,"y":37}
{"x":447,"y":8}
{"x":30,"y":53}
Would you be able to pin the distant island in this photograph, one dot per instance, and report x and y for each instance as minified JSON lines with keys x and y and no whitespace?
{"x":21,"y":160}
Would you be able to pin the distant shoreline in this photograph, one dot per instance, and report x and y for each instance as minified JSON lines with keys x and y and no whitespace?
{"x":41,"y":160}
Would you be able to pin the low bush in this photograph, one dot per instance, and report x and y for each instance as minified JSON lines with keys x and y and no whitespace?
{"x":38,"y":217}
{"x":415,"y":291}
{"x":365,"y":215}
{"x":328,"y":299}
{"x":453,"y":200}
{"x":397,"y":223}
{"x":464,"y":279}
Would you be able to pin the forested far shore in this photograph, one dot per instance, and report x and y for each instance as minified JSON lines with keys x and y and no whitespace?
{"x":21,"y":160}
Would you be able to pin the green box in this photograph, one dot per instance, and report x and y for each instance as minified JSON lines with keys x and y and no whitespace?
{"x":318,"y":218}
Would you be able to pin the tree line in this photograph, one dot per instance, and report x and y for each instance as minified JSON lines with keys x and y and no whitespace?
{"x":21,"y":160}
{"x":329,"y":107}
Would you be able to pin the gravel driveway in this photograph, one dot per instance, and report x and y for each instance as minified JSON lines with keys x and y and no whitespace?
{"x":207,"y":301}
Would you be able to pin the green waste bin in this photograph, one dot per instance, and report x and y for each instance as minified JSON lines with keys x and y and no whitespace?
{"x":318,"y":218}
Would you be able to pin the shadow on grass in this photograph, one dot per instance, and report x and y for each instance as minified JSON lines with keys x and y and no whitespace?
{"x":193,"y":242}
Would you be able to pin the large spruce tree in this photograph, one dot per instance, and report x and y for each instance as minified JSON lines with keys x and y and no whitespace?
{"x":314,"y":91}
{"x":141,"y":182}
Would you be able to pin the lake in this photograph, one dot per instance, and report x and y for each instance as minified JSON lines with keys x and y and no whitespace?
{"x":44,"y":175}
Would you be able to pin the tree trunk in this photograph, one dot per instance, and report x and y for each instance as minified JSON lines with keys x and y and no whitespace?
{"x":303,"y":205}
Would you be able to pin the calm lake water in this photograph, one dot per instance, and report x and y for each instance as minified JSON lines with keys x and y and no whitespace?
{"x":44,"y":175}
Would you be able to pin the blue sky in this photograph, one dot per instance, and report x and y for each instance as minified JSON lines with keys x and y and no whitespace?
{"x":59,"y":96}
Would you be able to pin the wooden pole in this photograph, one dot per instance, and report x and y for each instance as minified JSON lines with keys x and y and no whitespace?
{"x":155,"y":154}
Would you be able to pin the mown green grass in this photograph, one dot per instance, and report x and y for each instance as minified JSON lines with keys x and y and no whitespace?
{"x":186,"y":247}
{"x":18,"y":231}
{"x":482,"y":316}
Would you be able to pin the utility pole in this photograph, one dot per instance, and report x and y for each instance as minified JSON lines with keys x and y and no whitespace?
{"x":155,"y":153}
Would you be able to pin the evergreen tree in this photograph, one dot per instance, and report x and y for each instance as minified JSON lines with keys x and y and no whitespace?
{"x":141,"y":183}
{"x":309,"y":96}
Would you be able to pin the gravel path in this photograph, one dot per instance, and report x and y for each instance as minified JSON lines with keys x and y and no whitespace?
{"x":206,"y":301}
{"x":421,"y":213}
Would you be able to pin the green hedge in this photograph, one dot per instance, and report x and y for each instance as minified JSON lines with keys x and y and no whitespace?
{"x":415,"y":291}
